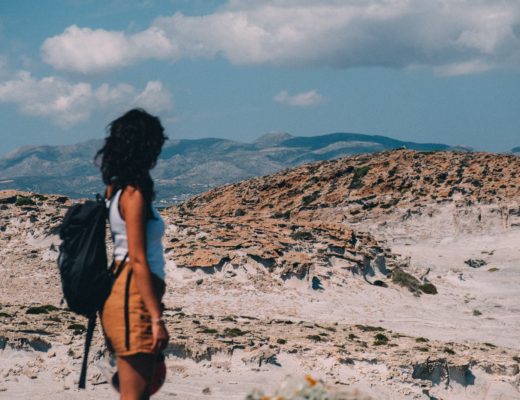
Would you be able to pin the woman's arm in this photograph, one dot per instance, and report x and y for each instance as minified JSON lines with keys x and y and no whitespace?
{"x":133,"y":208}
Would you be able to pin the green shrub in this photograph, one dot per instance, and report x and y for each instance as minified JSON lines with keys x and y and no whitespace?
{"x":234,"y":332}
{"x":45,"y":309}
{"x":35,"y":331}
{"x":428,"y":288}
{"x":77,"y":328}
{"x":205,"y":329}
{"x":24,"y":201}
{"x":357,"y":178}
{"x":403,"y":278}
{"x":315,"y":338}
{"x":368,"y":328}
{"x":380,"y":339}
{"x":310,"y":198}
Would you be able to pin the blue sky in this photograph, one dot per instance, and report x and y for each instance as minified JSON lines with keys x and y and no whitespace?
{"x":428,"y":71}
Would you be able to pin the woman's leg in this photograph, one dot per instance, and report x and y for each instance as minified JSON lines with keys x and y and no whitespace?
{"x":135,"y":375}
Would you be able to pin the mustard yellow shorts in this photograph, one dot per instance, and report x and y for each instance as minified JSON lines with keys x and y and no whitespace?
{"x":125,"y":319}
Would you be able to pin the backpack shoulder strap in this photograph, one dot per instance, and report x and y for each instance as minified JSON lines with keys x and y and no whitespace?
{"x":113,"y":266}
{"x":88,"y":341}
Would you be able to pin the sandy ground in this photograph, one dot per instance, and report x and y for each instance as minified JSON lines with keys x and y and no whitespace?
{"x":474,"y":305}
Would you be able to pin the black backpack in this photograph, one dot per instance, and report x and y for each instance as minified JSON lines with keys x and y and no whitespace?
{"x":82,"y":260}
{"x":86,"y":281}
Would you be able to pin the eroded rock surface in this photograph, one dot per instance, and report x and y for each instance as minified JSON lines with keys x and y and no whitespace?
{"x":301,"y":270}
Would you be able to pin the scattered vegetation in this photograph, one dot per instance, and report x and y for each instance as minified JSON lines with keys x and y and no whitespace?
{"x":329,"y":328}
{"x":369,"y":328}
{"x":421,"y":340}
{"x":302,"y":235}
{"x":315,"y":338}
{"x":442,"y":177}
{"x":428,"y":288}
{"x":357,"y":178}
{"x":234,"y":332}
{"x":36,"y":331}
{"x":77,"y":328}
{"x":477,"y":313}
{"x":493,"y":269}
{"x":351,"y":336}
{"x":281,"y":341}
{"x":205,"y":329}
{"x":24,"y":201}
{"x":449,"y":350}
{"x":475,"y":263}
{"x":380,"y":339}
{"x":239,"y":212}
{"x":403,"y":278}
{"x":306,"y":200}
{"x":44,"y":309}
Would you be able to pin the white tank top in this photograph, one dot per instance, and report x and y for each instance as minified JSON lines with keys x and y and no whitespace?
{"x":154,"y":233}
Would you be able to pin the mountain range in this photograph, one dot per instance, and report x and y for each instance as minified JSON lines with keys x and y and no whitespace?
{"x":188,"y":166}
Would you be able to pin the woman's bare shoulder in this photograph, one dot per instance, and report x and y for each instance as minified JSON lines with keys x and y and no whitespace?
{"x":131,"y":199}
{"x":132,"y":194}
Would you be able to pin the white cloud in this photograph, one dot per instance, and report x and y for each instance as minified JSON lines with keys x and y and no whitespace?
{"x":67,"y":104}
{"x":337,"y":33}
{"x":91,"y":51}
{"x":304,"y":99}
{"x":154,"y":97}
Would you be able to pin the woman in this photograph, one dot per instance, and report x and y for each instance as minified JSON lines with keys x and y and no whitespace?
{"x":132,"y":315}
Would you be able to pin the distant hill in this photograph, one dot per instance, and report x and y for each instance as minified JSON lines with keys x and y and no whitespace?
{"x":515,"y":149}
{"x":364,"y":186}
{"x":187,"y":166}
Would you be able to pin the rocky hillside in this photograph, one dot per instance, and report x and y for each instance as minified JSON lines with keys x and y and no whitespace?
{"x":365,"y":185}
{"x":304,"y":222}
{"x":186,"y":167}
{"x":289,"y":272}
{"x":304,"y":216}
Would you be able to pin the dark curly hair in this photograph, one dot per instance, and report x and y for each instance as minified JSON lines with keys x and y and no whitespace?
{"x":133,"y":143}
